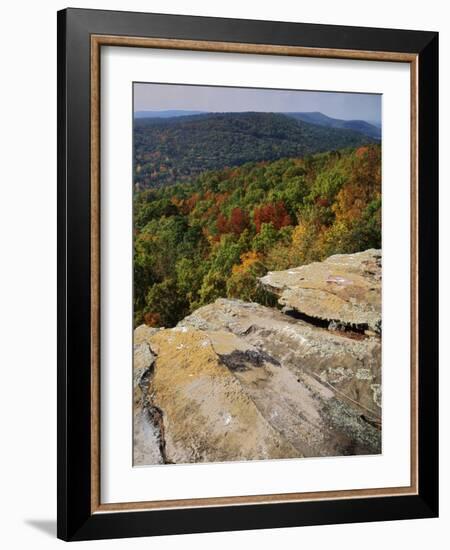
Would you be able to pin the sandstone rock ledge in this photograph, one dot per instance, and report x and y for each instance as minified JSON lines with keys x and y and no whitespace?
{"x":345,"y":289}
{"x":240,"y":381}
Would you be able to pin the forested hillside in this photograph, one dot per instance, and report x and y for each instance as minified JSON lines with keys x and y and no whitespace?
{"x":174,"y":150}
{"x":212,"y":235}
{"x":322,"y":120}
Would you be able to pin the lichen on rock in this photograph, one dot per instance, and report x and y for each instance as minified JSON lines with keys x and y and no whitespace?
{"x":344,"y":289}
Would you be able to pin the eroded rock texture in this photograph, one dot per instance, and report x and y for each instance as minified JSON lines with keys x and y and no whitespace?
{"x":345,"y":289}
{"x":240,"y":381}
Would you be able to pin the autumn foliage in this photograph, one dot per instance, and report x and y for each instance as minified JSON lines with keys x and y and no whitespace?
{"x":215,"y":236}
{"x":274,"y":213}
{"x":152,"y":319}
{"x":239,"y":220}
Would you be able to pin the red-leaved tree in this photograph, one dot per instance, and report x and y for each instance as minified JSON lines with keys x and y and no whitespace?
{"x":239,"y":220}
{"x":222,"y":224}
{"x":274,"y":213}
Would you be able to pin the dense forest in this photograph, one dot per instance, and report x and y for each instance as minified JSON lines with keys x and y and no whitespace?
{"x":178,"y":149}
{"x":323,"y":120}
{"x":214,"y":233}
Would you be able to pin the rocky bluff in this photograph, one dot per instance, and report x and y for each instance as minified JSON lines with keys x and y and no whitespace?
{"x":240,"y":381}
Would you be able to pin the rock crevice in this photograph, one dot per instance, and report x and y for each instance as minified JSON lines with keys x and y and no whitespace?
{"x":345,"y":289}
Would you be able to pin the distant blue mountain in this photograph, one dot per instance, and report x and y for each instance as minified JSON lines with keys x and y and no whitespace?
{"x":361,"y":126}
{"x":165,"y":114}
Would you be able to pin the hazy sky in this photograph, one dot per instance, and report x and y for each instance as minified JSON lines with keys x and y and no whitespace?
{"x":159,"y":97}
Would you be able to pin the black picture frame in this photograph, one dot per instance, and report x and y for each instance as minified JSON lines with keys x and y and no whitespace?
{"x":75,"y":478}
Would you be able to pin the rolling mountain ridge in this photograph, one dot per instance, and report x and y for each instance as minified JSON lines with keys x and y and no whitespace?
{"x":166,"y":113}
{"x":320,"y":119}
{"x":178,"y":149}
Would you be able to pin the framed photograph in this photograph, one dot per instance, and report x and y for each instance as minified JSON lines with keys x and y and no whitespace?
{"x":247,"y":253}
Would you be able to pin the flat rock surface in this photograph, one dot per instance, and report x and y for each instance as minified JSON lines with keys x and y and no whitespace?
{"x":207,"y":415}
{"x":345,"y":288}
{"x":305,"y":369}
